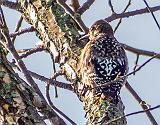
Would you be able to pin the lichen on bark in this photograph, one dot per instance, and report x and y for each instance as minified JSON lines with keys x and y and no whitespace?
{"x":15,"y":97}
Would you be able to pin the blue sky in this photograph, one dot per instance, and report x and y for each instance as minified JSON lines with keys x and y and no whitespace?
{"x":138,"y":31}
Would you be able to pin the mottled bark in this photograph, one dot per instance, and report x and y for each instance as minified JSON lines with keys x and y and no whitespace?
{"x":16,"y":97}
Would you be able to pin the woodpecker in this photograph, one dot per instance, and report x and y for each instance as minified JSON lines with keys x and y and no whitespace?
{"x":103,"y":61}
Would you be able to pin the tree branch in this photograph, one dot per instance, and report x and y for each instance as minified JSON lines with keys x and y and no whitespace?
{"x":75,"y":5}
{"x":136,"y":64}
{"x":10,"y":4}
{"x":149,"y":9}
{"x":134,"y":113}
{"x":26,"y":30}
{"x":31,"y":51}
{"x":55,"y":108}
{"x":131,"y":13}
{"x":118,"y":24}
{"x":136,"y":70}
{"x":142,"y":103}
{"x":111,"y":6}
{"x":52,"y":82}
{"x":85,"y":7}
{"x":17,"y":28}
{"x":49,"y":99}
{"x":141,"y":52}
{"x":53,"y":77}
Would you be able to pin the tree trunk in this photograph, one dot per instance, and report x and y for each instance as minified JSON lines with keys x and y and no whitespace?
{"x":16,"y":97}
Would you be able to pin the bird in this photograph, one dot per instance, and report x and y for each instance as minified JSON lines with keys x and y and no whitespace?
{"x":103,"y":63}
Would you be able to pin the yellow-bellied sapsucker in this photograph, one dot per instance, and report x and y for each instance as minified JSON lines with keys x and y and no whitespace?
{"x":103,"y":60}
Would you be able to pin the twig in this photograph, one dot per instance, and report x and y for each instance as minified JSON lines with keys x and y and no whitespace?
{"x":26,"y":30}
{"x":52,"y":82}
{"x":134,"y":113}
{"x":136,"y":63}
{"x":140,"y":51}
{"x":85,"y":7}
{"x":54,"y":71}
{"x":77,"y":18}
{"x":75,"y":5}
{"x":23,"y":50}
{"x":31,"y":51}
{"x":10,"y":4}
{"x":143,"y":105}
{"x":3,"y":22}
{"x":149,"y":9}
{"x":131,"y":13}
{"x":111,"y":6}
{"x":129,"y":3}
{"x":17,"y":28}
{"x":150,"y":109}
{"x":52,"y":105}
{"x":141,"y":66}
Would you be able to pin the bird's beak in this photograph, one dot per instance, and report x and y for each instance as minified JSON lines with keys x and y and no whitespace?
{"x":86,"y":36}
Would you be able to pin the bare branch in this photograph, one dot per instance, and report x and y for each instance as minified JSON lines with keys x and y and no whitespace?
{"x":141,"y":52}
{"x":52,"y":105}
{"x":22,"y":50}
{"x":54,"y":71}
{"x":52,"y":82}
{"x":17,"y":27}
{"x":129,"y":3}
{"x":141,"y":65}
{"x":2,"y":18}
{"x":149,"y":109}
{"x":149,"y":9}
{"x":26,"y":30}
{"x":75,"y":5}
{"x":10,"y":4}
{"x":85,"y":7}
{"x":131,"y":13}
{"x":31,"y":51}
{"x":136,"y":63}
{"x":143,"y":105}
{"x":134,"y":113}
{"x":111,"y":6}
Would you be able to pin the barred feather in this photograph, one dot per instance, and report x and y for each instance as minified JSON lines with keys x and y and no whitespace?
{"x":103,"y":60}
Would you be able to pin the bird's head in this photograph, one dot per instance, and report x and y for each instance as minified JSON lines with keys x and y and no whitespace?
{"x":99,"y":28}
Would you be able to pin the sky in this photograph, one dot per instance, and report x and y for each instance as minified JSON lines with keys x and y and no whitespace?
{"x":138,"y":31}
